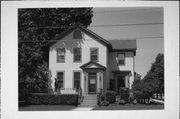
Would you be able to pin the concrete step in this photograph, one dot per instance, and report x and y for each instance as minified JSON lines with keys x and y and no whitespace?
{"x":89,"y":100}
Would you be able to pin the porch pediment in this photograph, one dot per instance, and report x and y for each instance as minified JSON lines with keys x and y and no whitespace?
{"x":92,"y":65}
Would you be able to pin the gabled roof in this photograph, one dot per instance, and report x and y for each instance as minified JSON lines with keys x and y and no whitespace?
{"x":113,"y":45}
{"x":92,"y":65}
{"x":123,"y":44}
{"x":87,"y":31}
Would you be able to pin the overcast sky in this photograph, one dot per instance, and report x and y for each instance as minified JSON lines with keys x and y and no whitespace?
{"x":143,"y":24}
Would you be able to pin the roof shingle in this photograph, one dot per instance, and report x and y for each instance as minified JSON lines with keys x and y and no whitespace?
{"x":123,"y":44}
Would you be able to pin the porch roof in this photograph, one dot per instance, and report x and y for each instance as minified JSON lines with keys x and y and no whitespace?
{"x":92,"y":65}
{"x":125,"y":72}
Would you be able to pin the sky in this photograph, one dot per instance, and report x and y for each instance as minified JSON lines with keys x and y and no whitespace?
{"x":143,"y":24}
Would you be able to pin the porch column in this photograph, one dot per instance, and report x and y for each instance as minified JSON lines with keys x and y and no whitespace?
{"x":102,"y":81}
{"x":85,"y":82}
{"x":127,"y":81}
{"x":98,"y":78}
{"x":82,"y":82}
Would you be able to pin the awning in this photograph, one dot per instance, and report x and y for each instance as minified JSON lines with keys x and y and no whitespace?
{"x":92,"y":65}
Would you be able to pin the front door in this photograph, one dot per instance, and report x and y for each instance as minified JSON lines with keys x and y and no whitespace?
{"x":120,"y":82}
{"x":92,"y":83}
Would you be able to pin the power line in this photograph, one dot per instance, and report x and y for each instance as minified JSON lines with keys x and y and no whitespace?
{"x":107,"y":40}
{"x":126,"y":24}
{"x":122,"y":10}
{"x":109,"y":25}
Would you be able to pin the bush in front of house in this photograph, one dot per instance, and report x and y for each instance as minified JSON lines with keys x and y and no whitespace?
{"x":111,"y":96}
{"x":51,"y":99}
{"x":124,"y":94}
{"x":100,"y":98}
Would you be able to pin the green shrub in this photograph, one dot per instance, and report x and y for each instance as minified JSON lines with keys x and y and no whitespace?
{"x":124,"y":94}
{"x":111,"y":96}
{"x":51,"y":99}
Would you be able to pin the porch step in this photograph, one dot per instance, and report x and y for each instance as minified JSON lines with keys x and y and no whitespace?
{"x":89,"y":100}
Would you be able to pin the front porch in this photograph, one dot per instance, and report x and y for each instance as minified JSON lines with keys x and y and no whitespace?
{"x":121,"y":79}
{"x":93,"y":78}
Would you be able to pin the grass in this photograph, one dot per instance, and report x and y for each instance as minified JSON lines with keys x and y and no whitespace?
{"x":110,"y":107}
{"x":47,"y":108}
{"x":131,"y":107}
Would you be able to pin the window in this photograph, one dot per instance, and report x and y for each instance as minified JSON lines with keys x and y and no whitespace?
{"x":77,"y":78}
{"x":94,"y":54}
{"x":77,"y":54}
{"x":121,"y":58}
{"x":77,"y":34}
{"x":60,"y":79}
{"x":61,"y":55}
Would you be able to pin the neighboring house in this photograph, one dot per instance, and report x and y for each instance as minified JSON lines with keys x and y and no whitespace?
{"x":79,"y":58}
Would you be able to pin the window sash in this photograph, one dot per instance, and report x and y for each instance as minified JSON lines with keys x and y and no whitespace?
{"x":77,"y":78}
{"x":121,"y":58}
{"x":77,"y":54}
{"x":60,"y":54}
{"x":77,"y":34}
{"x":60,"y":79}
{"x":60,"y":76}
{"x":94,"y":54}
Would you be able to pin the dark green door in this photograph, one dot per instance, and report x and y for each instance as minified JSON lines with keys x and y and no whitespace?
{"x":92,"y":83}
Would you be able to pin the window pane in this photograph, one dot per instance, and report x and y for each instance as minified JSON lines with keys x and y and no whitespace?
{"x":60,"y":76}
{"x":121,"y":59}
{"x":120,"y":56}
{"x":77,"y":34}
{"x":94,"y":54}
{"x":60,"y":55}
{"x":76,"y":79}
{"x":94,"y":51}
{"x":93,"y":57}
{"x":77,"y":54}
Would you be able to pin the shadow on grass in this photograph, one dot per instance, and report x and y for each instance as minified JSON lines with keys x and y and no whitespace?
{"x":154,"y":106}
{"x":47,"y":108}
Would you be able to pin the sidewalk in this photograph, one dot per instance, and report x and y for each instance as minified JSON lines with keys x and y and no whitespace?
{"x":156,"y":100}
{"x":83,"y":108}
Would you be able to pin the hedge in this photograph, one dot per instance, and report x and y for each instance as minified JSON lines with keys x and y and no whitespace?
{"x":51,"y":99}
{"x":124,"y":93}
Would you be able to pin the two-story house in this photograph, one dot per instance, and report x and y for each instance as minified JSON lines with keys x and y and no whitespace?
{"x":80,"y":58}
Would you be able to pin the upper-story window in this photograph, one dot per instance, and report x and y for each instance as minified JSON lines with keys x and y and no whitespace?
{"x":77,"y":54}
{"x":94,"y":54}
{"x":121,"y":58}
{"x":61,"y":55}
{"x":77,"y":34}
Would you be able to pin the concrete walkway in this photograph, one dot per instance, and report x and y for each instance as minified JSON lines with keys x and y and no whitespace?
{"x":156,"y":100}
{"x":83,"y":109}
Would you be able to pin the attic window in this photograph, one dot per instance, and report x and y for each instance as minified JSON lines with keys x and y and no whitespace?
{"x":77,"y":34}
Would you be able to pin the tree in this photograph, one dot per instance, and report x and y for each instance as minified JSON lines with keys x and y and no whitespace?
{"x":35,"y":28}
{"x":153,"y":82}
{"x":155,"y":76}
{"x":137,"y":86}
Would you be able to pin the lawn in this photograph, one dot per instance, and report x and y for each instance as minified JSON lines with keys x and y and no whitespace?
{"x":131,"y":107}
{"x":110,"y":107}
{"x":47,"y":108}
